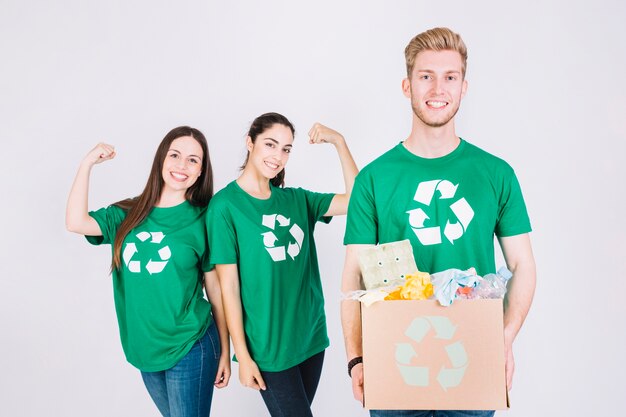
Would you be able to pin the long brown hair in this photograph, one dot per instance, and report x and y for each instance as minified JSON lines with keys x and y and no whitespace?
{"x":260,"y":125}
{"x":139,"y":207}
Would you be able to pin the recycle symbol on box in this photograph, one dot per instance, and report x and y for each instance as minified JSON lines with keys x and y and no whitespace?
{"x":153,"y":267}
{"x":420,"y":375}
{"x":417,"y":217}
{"x":279,"y":253}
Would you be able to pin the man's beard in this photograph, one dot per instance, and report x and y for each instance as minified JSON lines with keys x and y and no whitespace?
{"x":429,"y":123}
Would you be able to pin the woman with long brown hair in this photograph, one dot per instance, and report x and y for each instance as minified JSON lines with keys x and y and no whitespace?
{"x":261,"y":239}
{"x":169,"y":331}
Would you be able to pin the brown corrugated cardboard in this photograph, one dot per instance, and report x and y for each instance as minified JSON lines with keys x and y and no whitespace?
{"x":418,"y":355}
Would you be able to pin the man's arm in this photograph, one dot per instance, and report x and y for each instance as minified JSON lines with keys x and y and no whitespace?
{"x":519,"y":258}
{"x":351,"y":316}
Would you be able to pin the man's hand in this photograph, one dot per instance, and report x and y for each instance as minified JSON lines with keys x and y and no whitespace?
{"x":357,"y":382}
{"x":509,"y":361}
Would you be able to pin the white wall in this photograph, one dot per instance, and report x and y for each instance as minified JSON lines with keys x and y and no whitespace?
{"x":547,"y":93}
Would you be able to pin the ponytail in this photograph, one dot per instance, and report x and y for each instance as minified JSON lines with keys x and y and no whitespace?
{"x":260,"y":125}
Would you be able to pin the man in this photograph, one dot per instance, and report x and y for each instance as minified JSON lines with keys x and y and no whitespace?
{"x":407,"y":194}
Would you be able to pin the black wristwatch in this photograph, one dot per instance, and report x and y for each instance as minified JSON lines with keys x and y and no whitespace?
{"x":352,"y":363}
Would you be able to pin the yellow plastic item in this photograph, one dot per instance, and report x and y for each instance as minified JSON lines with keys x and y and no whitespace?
{"x":416,"y":287}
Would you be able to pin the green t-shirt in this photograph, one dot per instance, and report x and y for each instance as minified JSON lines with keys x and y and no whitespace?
{"x":160,"y":304}
{"x":271,"y":241}
{"x":450,"y":208}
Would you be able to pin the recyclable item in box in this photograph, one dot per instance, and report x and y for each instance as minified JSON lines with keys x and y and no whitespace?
{"x":416,"y":287}
{"x":447,"y":283}
{"x":493,"y":285}
{"x":418,"y":355}
{"x":387,"y":264}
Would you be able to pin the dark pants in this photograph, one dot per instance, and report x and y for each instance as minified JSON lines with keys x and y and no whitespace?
{"x":290,"y":392}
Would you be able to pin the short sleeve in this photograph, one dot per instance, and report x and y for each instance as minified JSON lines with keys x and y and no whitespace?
{"x":362,"y":222}
{"x":221,"y":234}
{"x":205,"y":262}
{"x":109,"y":219}
{"x":318,"y":204}
{"x":512,"y":214}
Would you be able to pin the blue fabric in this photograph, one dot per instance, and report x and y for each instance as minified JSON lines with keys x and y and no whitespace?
{"x":290,"y":392}
{"x":186,"y":390}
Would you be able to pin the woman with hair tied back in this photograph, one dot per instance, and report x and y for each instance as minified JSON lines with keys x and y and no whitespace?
{"x":169,"y":331}
{"x":261,"y":240}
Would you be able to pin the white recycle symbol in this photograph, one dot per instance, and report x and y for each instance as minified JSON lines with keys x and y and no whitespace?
{"x":278,"y":253}
{"x":153,"y":267}
{"x":420,"y":375}
{"x":461,"y":209}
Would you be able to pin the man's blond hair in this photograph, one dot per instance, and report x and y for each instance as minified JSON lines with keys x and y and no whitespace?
{"x":436,"y":39}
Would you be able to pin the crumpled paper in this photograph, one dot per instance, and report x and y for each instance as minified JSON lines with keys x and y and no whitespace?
{"x":373,"y":296}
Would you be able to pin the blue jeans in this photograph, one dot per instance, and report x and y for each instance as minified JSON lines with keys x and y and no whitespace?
{"x":436,"y":413}
{"x":290,"y":392}
{"x":186,"y":390}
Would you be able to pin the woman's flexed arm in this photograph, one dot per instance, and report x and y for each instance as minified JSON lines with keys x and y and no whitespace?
{"x":323,"y":134}
{"x":77,"y":217}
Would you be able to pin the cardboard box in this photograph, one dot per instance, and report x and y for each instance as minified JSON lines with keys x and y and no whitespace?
{"x":418,"y":355}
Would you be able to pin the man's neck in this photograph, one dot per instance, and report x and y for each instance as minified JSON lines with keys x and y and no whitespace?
{"x":432,"y":142}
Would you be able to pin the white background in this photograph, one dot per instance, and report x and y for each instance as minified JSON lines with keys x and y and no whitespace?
{"x":546,"y":93}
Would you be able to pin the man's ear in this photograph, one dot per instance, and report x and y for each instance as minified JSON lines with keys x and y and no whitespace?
{"x":406,"y":87}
